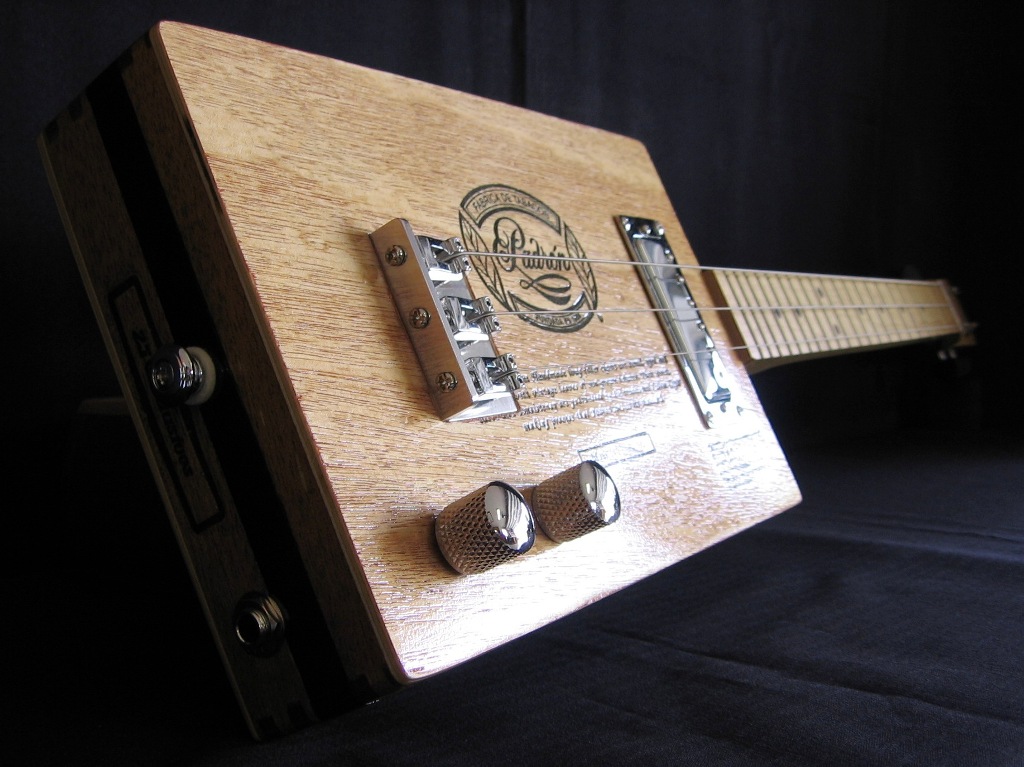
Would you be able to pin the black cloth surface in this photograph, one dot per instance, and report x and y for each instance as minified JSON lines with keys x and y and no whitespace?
{"x":878,"y":623}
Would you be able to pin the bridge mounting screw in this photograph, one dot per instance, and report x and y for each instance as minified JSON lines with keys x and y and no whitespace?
{"x":419,"y":318}
{"x":395,"y":255}
{"x":447,"y":381}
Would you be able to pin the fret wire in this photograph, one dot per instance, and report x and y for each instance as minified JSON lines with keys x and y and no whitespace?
{"x":744,"y":323}
{"x":769,"y":318}
{"x":886,"y":313}
{"x":855,"y":318}
{"x":772,"y":287}
{"x":839,"y":324}
{"x":883,"y":313}
{"x":866,"y":317}
{"x":812,"y":318}
{"x":789,"y":287}
{"x":823,"y":319}
{"x":757,"y":341}
{"x":900,"y":316}
{"x":785,"y":318}
{"x":878,"y":315}
{"x":848,"y":320}
{"x":772,"y":317}
{"x":828,"y":324}
{"x":763,"y":334}
{"x":827,"y":335}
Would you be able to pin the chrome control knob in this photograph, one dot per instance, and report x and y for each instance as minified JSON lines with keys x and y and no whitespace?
{"x":575,"y":502}
{"x":485,"y":528}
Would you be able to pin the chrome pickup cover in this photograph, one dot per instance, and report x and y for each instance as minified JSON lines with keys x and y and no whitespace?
{"x":688,"y":337}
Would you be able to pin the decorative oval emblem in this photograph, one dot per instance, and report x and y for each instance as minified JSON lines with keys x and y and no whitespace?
{"x":554,"y":284}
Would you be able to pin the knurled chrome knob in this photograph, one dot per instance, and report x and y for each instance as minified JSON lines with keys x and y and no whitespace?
{"x":485,"y":528}
{"x":577,"y":501}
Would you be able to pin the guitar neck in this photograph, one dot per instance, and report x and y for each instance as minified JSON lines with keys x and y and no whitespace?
{"x":783,"y":317}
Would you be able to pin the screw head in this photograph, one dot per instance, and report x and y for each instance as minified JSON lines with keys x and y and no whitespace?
{"x":162,"y":376}
{"x":175,"y":373}
{"x":447,"y":381}
{"x":419,"y":318}
{"x":396,"y":255}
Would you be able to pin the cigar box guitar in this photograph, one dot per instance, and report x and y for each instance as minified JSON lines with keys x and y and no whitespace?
{"x":417,"y":372}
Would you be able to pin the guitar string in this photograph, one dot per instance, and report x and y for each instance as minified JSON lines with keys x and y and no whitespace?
{"x":933,"y":332}
{"x":839,"y":341}
{"x":893,"y":335}
{"x":698,"y":268}
{"x":725,"y":309}
{"x":750,"y":308}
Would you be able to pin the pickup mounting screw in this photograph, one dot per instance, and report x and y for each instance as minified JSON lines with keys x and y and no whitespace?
{"x":395,"y":255}
{"x":447,"y":382}
{"x":419,"y":318}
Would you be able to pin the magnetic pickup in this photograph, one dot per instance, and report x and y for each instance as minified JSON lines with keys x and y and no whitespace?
{"x":680,"y":319}
{"x":451,"y":331}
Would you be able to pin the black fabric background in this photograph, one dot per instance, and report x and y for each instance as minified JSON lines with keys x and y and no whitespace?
{"x":878,"y":623}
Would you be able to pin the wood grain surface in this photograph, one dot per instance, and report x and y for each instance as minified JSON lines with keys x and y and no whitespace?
{"x":307,"y":156}
{"x":323,"y":460}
